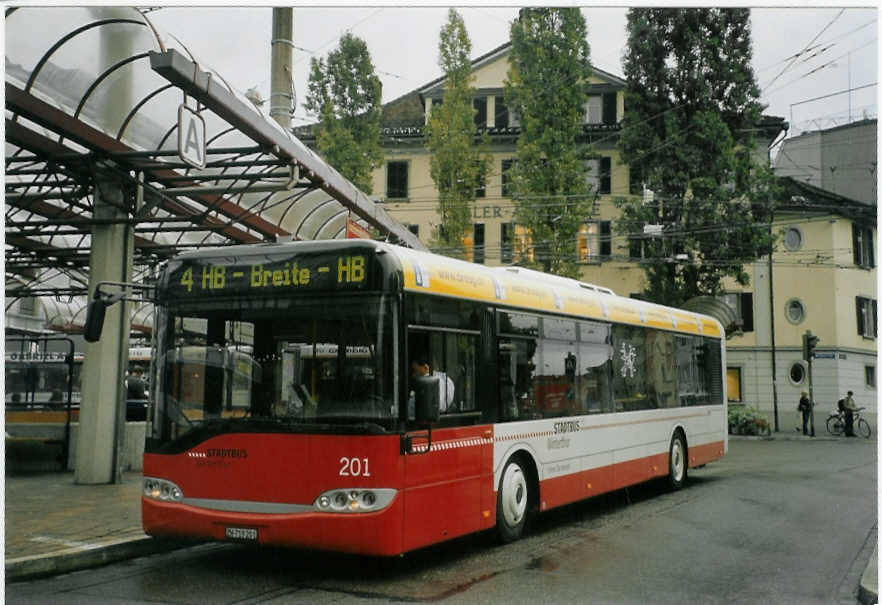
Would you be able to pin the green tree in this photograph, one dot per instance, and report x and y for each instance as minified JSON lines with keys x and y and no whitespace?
{"x":458,"y":163}
{"x":546,"y":85}
{"x":345,"y":92}
{"x":688,"y":136}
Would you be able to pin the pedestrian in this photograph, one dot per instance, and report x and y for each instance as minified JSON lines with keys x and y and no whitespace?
{"x":805,"y":407}
{"x":136,"y":388}
{"x":849,"y":408}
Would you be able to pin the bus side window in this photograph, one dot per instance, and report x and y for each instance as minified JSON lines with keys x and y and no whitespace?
{"x":595,"y":371}
{"x":629,"y":369}
{"x":517,"y":370}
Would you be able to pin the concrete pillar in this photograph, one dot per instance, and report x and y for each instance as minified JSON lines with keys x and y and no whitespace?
{"x":102,"y":411}
{"x":281,"y":67}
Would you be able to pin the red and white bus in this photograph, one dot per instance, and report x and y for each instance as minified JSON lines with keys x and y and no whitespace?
{"x":283,"y":410}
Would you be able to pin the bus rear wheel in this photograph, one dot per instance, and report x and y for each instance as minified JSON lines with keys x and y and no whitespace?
{"x":677,"y":461}
{"x":512,"y":499}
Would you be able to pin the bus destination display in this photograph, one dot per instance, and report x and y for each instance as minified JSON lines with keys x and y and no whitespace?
{"x":269,"y":276}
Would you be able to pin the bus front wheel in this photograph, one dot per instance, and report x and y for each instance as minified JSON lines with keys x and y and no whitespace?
{"x":677,"y":461}
{"x":511,"y":501}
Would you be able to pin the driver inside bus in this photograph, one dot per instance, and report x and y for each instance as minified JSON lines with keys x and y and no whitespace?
{"x":420,"y":367}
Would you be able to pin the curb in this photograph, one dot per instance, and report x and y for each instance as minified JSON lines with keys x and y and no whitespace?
{"x":85,"y":557}
{"x":787,"y":437}
{"x":868,"y":591}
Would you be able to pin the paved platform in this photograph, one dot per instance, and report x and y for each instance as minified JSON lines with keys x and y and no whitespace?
{"x":54,"y":526}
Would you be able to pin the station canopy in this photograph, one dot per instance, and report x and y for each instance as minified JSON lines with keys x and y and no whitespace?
{"x":93,"y":96}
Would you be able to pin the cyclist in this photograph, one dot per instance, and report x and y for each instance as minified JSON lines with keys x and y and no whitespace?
{"x":849,"y":408}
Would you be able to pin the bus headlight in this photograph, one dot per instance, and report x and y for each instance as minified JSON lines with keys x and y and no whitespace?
{"x":351,"y":500}
{"x":161,"y":489}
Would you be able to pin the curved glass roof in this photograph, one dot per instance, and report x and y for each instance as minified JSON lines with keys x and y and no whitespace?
{"x":87,"y":106}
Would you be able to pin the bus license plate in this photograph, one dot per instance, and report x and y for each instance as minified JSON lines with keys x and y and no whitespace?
{"x":246,"y":534}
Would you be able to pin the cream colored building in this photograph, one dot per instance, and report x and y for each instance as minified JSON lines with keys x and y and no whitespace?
{"x":823,"y":279}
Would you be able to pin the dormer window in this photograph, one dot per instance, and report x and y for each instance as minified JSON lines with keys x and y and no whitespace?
{"x":601,"y":109}
{"x":480,"y":105}
{"x":500,"y":113}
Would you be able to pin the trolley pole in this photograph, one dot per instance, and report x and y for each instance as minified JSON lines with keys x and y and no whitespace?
{"x":811,"y":398}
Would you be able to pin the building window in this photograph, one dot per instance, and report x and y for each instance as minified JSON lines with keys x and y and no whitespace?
{"x":733,"y":384}
{"x":480,"y":105}
{"x":594,"y":110}
{"x":599,"y":175}
{"x":793,"y":239}
{"x":478,"y":242}
{"x":866,"y":316}
{"x":601,"y":109}
{"x":506,"y":242}
{"x":415,"y":229}
{"x":396,"y":180}
{"x":481,"y":189}
{"x":863,"y":246}
{"x":594,"y":242}
{"x":609,"y":108}
{"x":523,"y":243}
{"x":862,"y":240}
{"x":797,"y":373}
{"x":795,"y":311}
{"x":500,"y":113}
{"x":870,"y":376}
{"x":742,"y":304}
{"x":507,"y":189}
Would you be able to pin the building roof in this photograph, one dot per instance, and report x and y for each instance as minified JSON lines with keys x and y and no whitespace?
{"x":498,"y":52}
{"x":799,"y":196}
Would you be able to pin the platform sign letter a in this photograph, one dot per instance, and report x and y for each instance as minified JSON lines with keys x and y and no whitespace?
{"x":191,"y":137}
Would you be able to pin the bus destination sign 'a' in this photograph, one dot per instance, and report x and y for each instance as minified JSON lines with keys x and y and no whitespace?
{"x":269,"y":275}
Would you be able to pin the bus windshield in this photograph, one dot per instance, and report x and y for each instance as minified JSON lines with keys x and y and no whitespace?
{"x":325,"y":362}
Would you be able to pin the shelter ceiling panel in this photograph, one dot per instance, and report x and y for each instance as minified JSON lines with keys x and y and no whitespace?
{"x":335,"y":228}
{"x":318,"y":217}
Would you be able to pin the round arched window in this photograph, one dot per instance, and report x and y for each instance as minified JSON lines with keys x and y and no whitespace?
{"x":793,"y":239}
{"x":797,"y":373}
{"x":795,"y":311}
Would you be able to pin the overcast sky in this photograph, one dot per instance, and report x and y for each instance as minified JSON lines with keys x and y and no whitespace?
{"x":403,"y":41}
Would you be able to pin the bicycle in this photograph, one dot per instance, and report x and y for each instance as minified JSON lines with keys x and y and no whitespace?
{"x":836,"y":424}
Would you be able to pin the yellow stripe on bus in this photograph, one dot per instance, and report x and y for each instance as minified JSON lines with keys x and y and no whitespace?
{"x":448,"y":277}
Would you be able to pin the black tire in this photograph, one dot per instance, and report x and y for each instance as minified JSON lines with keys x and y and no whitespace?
{"x":512,"y":501}
{"x":835,"y":426}
{"x":678,"y":462}
{"x":864,"y":428}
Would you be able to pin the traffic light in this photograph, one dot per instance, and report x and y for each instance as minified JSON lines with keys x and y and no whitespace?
{"x":809,"y":342}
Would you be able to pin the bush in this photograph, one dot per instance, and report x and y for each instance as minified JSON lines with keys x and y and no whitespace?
{"x":744,"y":420}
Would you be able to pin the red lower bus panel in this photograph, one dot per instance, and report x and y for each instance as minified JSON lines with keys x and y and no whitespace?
{"x":446,"y":491}
{"x":559,"y":491}
{"x":702,"y":454}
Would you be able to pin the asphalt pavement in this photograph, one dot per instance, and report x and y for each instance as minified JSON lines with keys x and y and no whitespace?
{"x":54,"y":526}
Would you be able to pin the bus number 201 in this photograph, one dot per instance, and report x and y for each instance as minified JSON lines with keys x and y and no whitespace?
{"x":354,"y":467}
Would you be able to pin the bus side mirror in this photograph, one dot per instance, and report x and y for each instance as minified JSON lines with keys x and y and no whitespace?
{"x":427,"y":398}
{"x":95,"y":319}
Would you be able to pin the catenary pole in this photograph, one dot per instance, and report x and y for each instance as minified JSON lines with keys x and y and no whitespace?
{"x":282,"y":75}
